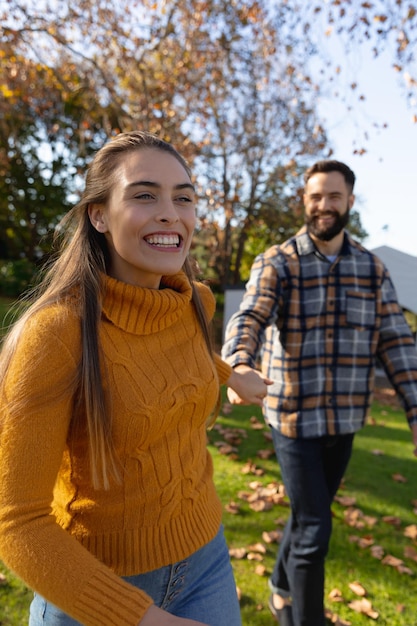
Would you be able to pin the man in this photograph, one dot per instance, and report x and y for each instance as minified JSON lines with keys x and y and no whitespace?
{"x":321,"y":309}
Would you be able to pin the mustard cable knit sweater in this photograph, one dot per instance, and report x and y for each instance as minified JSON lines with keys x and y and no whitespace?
{"x":64,"y":539}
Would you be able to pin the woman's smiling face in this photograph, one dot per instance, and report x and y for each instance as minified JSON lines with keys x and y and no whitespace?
{"x":149,"y":219}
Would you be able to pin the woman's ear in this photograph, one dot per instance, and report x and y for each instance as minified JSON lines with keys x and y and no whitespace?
{"x":97,"y":217}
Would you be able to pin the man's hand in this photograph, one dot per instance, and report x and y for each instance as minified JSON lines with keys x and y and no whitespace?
{"x":247,"y":386}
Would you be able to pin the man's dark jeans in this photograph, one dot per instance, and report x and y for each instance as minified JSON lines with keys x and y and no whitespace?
{"x":311,"y":471}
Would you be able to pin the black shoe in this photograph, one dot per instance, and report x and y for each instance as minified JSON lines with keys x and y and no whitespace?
{"x":283,"y":616}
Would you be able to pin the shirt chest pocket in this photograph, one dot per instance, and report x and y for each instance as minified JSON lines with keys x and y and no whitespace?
{"x":360,"y":309}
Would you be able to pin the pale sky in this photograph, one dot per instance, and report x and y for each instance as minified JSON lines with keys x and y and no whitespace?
{"x":386,"y":176}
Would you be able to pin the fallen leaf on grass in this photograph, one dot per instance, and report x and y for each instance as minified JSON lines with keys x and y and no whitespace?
{"x":393,"y":520}
{"x":254,"y":556}
{"x":232,"y":508}
{"x":377,"y":452}
{"x":261,"y":570}
{"x":363,"y":606}
{"x":345,"y":500}
{"x":260,"y":505}
{"x":273,"y":536}
{"x":411,"y":531}
{"x":265,"y":454}
{"x":256,"y":424}
{"x":336,"y":595}
{"x":410,"y":553}
{"x":357,"y":588}
{"x":333,"y":618}
{"x":397,"y":563}
{"x":237,"y":553}
{"x":251,"y":468}
{"x":399,"y":478}
{"x":377,"y":552}
{"x":3,"y":580}
{"x":391,"y":560}
{"x":257,"y":547}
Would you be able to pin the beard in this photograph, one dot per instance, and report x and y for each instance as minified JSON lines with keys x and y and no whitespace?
{"x":327,"y":234}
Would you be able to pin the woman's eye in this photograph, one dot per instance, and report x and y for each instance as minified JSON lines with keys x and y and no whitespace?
{"x":143,"y":196}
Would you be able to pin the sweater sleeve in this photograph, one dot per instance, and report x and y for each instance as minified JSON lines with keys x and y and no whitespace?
{"x":36,"y":409}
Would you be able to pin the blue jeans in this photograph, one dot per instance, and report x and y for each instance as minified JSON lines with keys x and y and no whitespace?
{"x":201,"y":587}
{"x":311,"y":472}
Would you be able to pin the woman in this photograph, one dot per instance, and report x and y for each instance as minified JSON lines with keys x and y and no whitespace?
{"x":107,"y":504}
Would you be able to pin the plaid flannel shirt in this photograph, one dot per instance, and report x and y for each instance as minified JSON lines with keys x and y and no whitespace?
{"x":319,"y":328}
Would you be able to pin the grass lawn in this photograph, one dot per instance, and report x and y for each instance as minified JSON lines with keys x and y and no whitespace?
{"x":374,"y":540}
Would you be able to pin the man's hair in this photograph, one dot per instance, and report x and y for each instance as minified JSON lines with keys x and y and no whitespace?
{"x":331,"y":165}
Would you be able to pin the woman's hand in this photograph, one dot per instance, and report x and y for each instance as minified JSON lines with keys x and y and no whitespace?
{"x":158,"y":617}
{"x":247,"y":386}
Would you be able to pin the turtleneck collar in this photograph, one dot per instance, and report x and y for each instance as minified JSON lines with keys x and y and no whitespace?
{"x":143,"y":311}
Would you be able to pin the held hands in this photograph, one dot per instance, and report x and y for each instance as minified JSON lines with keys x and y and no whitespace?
{"x":158,"y":617}
{"x":247,"y":386}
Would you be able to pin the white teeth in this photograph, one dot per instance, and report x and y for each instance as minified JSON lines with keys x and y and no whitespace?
{"x":163,"y":240}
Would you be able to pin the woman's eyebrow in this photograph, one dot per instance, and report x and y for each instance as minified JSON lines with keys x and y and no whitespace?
{"x":149,"y":183}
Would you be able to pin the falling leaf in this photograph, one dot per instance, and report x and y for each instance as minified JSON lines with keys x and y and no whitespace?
{"x":357,"y":588}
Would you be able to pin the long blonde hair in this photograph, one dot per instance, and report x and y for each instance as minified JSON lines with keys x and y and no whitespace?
{"x":81,"y":260}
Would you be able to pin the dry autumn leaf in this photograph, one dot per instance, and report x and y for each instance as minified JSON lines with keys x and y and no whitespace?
{"x":256,"y":424}
{"x":411,"y":531}
{"x":377,"y":552}
{"x":399,"y":478}
{"x":333,"y":618}
{"x":391,"y":560}
{"x":273,"y":536}
{"x":335,"y":595}
{"x":393,"y":520}
{"x":363,"y":606}
{"x":237,"y":553}
{"x":345,"y":500}
{"x":357,"y":588}
{"x":232,"y":508}
{"x":257,"y":547}
{"x":260,"y":570}
{"x":410,"y":553}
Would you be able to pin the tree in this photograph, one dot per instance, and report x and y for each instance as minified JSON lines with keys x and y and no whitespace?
{"x":230,"y":83}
